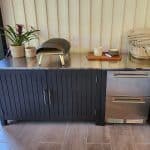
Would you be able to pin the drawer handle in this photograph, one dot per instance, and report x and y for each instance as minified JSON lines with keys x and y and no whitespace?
{"x":122,"y":75}
{"x":49,"y":95}
{"x":129,"y":100}
{"x":44,"y":97}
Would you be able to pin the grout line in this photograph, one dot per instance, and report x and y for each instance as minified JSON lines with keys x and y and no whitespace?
{"x":122,"y":30}
{"x":134,"y":19}
{"x":145,"y":143}
{"x":112,"y":24}
{"x":13,"y":11}
{"x":101,"y":12}
{"x":87,"y":134}
{"x":99,"y":143}
{"x":146,"y":13}
{"x":58,"y":19}
{"x":25,"y":18}
{"x":86,"y":138}
{"x":36,"y":20}
{"x":49,"y":142}
{"x":47,"y":22}
{"x":132,"y":138}
{"x":79,"y":17}
{"x":90,"y":23}
{"x":111,"y":145}
{"x":65,"y":135}
{"x":69,"y":36}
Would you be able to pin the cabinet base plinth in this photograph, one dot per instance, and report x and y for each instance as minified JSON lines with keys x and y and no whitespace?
{"x":4,"y":122}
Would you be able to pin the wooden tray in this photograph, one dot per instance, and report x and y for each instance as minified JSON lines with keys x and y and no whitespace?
{"x":90,"y":56}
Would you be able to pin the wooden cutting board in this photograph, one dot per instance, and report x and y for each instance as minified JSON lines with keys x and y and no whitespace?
{"x":91,"y":57}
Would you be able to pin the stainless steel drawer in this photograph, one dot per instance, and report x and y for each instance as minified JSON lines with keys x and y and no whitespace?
{"x":127,"y":109}
{"x":128,"y":83}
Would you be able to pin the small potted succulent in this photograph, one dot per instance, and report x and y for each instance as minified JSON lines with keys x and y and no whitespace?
{"x":18,"y":38}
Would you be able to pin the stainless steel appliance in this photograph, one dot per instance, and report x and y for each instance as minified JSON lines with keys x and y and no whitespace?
{"x":127,"y":96}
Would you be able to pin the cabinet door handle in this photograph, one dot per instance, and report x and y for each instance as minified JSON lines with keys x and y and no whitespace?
{"x":44,"y":96}
{"x":96,"y":79}
{"x":135,"y":75}
{"x":49,"y":95}
{"x":128,"y":100}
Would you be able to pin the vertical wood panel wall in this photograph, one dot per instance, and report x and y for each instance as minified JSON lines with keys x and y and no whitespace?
{"x":86,"y":23}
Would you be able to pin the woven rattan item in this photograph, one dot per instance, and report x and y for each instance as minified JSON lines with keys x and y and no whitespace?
{"x":139,"y":43}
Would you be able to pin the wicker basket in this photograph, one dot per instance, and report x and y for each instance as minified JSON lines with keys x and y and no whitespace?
{"x":139,"y":43}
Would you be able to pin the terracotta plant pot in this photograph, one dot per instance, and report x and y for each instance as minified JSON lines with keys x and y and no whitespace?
{"x":17,"y":51}
{"x":30,"y":51}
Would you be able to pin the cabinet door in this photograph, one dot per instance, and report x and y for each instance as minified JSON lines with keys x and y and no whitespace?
{"x":23,"y":95}
{"x":74,"y":94}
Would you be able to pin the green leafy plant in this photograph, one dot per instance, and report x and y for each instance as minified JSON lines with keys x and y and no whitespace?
{"x":17,"y":36}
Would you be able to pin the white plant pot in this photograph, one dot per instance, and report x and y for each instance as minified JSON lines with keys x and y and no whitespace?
{"x":30,"y":51}
{"x":17,"y":51}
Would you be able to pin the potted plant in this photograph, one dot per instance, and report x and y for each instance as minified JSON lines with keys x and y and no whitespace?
{"x":18,"y":38}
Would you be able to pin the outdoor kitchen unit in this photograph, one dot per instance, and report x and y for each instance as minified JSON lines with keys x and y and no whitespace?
{"x":127,"y":96}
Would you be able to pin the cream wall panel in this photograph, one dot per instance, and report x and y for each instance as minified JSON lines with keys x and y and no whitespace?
{"x":147,"y":21}
{"x":63,"y":18}
{"x":53,"y":18}
{"x":85,"y":25}
{"x":7,"y":9}
{"x":18,"y":7}
{"x":31,"y":20}
{"x":107,"y":23}
{"x":130,"y":7}
{"x":140,"y":13}
{"x":96,"y":16}
{"x":74,"y":25}
{"x":118,"y":16}
{"x":42,"y":22}
{"x":7,"y":12}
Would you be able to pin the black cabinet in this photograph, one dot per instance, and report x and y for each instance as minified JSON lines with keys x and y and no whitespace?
{"x":74,"y":94}
{"x":56,"y":94}
{"x":23,"y":95}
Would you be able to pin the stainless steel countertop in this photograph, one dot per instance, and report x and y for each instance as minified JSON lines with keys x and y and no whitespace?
{"x":77,"y":61}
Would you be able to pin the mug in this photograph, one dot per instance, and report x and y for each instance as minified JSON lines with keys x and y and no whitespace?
{"x":98,"y":51}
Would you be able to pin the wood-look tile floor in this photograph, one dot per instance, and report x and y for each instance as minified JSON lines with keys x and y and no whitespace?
{"x":74,"y":136}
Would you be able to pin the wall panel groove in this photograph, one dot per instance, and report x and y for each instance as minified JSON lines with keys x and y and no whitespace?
{"x":85,"y":23}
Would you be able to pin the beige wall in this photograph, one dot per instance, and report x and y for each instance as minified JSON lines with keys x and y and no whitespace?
{"x":86,"y":23}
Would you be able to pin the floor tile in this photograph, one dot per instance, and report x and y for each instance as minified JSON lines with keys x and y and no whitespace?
{"x":98,"y":147}
{"x":98,"y":134}
{"x":121,"y":137}
{"x":50,"y":132}
{"x":141,"y":133}
{"x":142,"y":146}
{"x":46,"y":146}
{"x":76,"y":137}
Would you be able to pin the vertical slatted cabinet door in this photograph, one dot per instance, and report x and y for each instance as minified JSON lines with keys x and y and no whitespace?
{"x":8,"y":104}
{"x":23,"y":95}
{"x":34,"y":94}
{"x":89,"y":93}
{"x":73,"y":94}
{"x":56,"y":94}
{"x":38,"y":94}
